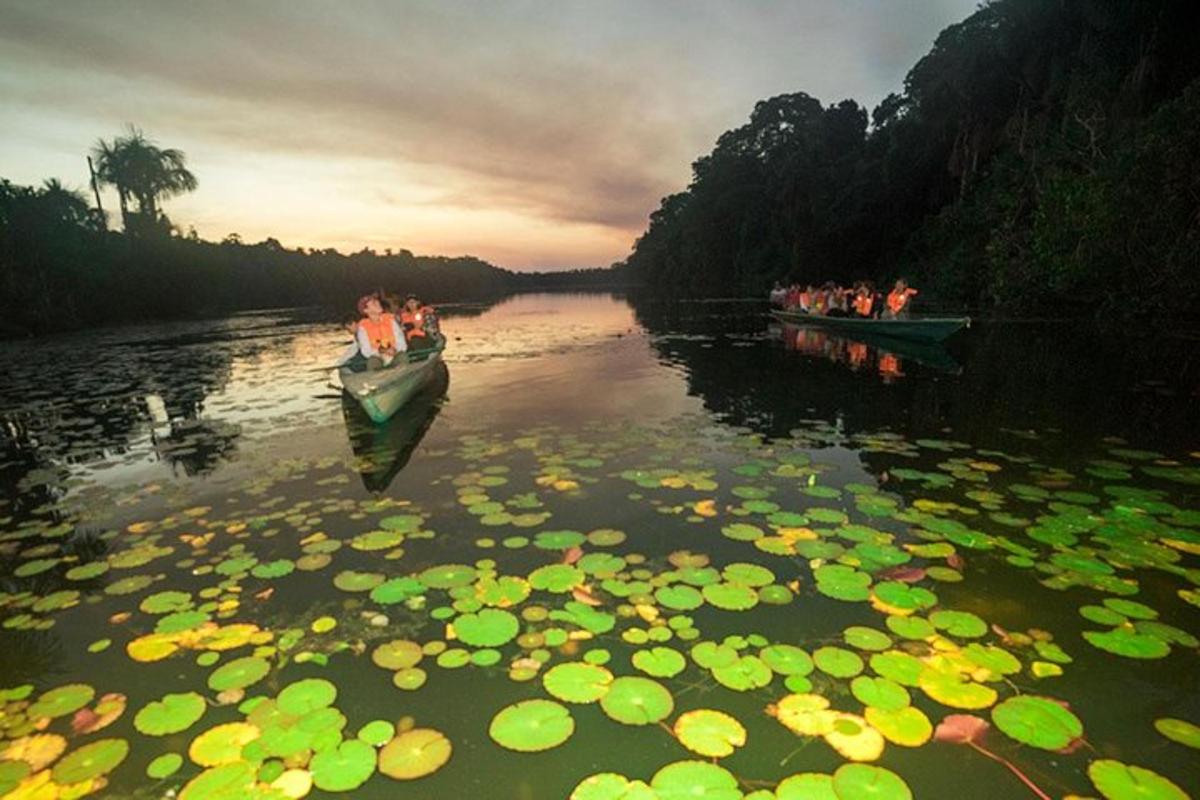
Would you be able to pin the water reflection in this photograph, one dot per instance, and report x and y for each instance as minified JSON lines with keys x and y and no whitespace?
{"x":883,"y":355}
{"x":382,"y":451}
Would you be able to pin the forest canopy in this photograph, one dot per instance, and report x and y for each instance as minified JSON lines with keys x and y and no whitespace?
{"x":1043,"y":156}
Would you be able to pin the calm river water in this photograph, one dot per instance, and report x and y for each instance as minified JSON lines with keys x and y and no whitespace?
{"x":677,"y":546}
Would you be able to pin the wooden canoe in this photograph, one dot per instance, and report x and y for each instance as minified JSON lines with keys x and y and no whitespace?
{"x":383,"y":392}
{"x":918,"y":329}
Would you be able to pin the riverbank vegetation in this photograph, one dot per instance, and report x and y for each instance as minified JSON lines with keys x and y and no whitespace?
{"x":1042,"y":158}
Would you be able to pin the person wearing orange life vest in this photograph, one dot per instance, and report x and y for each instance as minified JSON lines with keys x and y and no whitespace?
{"x":419,"y":323}
{"x":864,"y":300}
{"x":379,"y":337}
{"x":899,"y":300}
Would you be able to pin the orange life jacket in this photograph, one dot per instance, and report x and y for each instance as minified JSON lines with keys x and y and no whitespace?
{"x":413,"y":322}
{"x":380,"y":333}
{"x":897,"y":300}
{"x":862,"y":304}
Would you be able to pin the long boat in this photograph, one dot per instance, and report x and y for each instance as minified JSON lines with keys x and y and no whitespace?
{"x":919,"y":329}
{"x":382,"y":392}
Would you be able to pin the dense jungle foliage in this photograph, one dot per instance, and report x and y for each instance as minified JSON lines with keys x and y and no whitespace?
{"x":1044,"y":157}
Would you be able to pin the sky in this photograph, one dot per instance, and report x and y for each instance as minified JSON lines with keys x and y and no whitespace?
{"x":533,"y":134}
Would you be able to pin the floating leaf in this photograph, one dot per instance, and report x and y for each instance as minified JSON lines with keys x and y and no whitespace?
{"x":62,"y":701}
{"x":637,"y":701}
{"x":906,"y":726}
{"x":90,"y":761}
{"x":576,"y":682}
{"x":660,"y":662}
{"x":343,"y":768}
{"x":164,"y":766}
{"x":172,"y":714}
{"x":709,"y":733}
{"x":305,"y":696}
{"x":1038,"y":721}
{"x":491,"y":627}
{"x":239,"y":673}
{"x":864,"y":782}
{"x":838,"y":662}
{"x":695,"y":780}
{"x":1178,"y":730}
{"x":397,"y":654}
{"x":222,"y":744}
{"x":414,"y":754}
{"x":1117,"y":781}
{"x":806,"y":786}
{"x":532,"y":726}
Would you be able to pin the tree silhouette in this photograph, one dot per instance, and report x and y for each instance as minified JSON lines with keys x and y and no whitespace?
{"x":144,"y":173}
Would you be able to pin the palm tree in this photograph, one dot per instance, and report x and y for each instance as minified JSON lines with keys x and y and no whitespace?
{"x":143,"y":172}
{"x":63,"y":203}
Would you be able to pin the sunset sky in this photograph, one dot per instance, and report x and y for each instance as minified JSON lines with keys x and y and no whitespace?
{"x":536,"y":135}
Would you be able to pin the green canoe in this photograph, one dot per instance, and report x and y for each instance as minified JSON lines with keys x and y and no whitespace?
{"x":921,"y":329}
{"x":382,"y":392}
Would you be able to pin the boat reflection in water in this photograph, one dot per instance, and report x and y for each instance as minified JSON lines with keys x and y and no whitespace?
{"x":863,"y":352}
{"x":383,"y":450}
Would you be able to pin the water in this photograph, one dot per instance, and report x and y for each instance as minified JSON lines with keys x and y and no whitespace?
{"x":177,"y":498}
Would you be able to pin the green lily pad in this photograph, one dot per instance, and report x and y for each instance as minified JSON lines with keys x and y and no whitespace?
{"x":305,"y":696}
{"x":744,"y":674}
{"x":786,"y":659}
{"x":806,"y":786}
{"x":1178,"y":730}
{"x":224,"y":782}
{"x":61,"y":701}
{"x":880,"y":693}
{"x":959,"y":623}
{"x":532,"y":726}
{"x":172,"y":714}
{"x":90,"y":761}
{"x":397,"y":654}
{"x":695,"y":780}
{"x":679,"y":598}
{"x":730,"y":596}
{"x":556,"y":578}
{"x":576,"y":682}
{"x":491,"y":627}
{"x":448,"y":576}
{"x":1117,"y":781}
{"x":377,"y":732}
{"x":164,"y":766}
{"x":637,"y":701}
{"x":1037,"y":721}
{"x":838,"y":662}
{"x":238,"y":674}
{"x":415,"y":754}
{"x":865,"y":782}
{"x":709,"y":733}
{"x":1128,"y":643}
{"x":343,"y":768}
{"x":660,"y":662}
{"x":865,"y":638}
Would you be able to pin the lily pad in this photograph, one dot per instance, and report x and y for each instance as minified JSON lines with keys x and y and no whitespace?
{"x":90,"y":761}
{"x":532,"y":726}
{"x":222,"y":744}
{"x":62,"y":701}
{"x":576,"y":682}
{"x":415,"y":754}
{"x":238,"y":674}
{"x":660,"y":662}
{"x":1178,"y":730}
{"x":491,"y":627}
{"x":343,"y":768}
{"x":709,"y":733}
{"x":637,"y":701}
{"x":1117,"y":781}
{"x":865,"y":782}
{"x":1037,"y":721}
{"x":695,"y":780}
{"x":397,"y":654}
{"x":305,"y":696}
{"x":172,"y":714}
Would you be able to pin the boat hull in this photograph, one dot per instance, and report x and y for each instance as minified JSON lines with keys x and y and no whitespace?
{"x":928,"y":329}
{"x":383,"y":392}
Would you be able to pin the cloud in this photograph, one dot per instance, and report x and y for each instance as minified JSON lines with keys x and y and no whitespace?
{"x":570,"y":112}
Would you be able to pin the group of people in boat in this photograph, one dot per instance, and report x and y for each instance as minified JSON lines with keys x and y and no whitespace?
{"x":862,"y":300}
{"x":385,"y":327}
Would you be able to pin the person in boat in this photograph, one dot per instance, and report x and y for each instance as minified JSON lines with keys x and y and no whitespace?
{"x":804,"y":298}
{"x":864,"y":300}
{"x":836,"y":305}
{"x":419,"y":324}
{"x":899,"y":300}
{"x":379,"y":336}
{"x":779,"y":294}
{"x":352,"y":356}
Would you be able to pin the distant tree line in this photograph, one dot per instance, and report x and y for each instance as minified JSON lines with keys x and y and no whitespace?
{"x":1043,"y":156}
{"x":62,"y":268}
